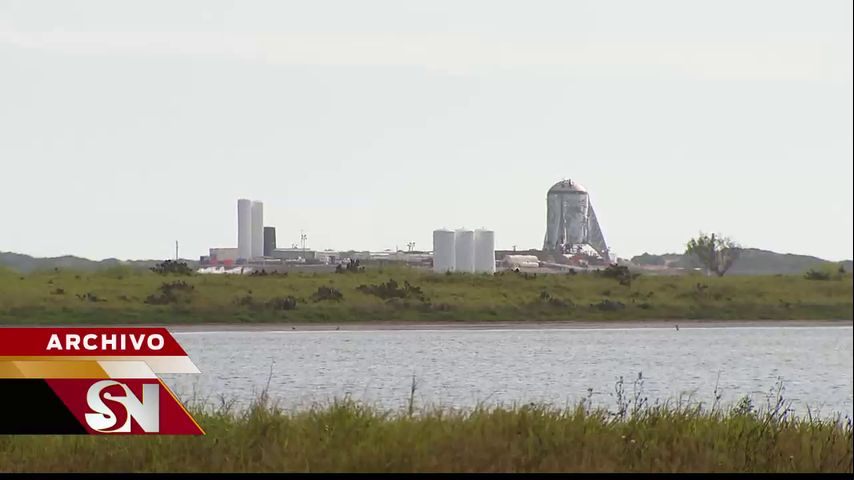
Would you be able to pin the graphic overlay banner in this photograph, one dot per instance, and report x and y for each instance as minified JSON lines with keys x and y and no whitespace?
{"x":91,"y":381}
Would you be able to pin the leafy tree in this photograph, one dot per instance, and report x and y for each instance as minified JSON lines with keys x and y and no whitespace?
{"x":716,"y":253}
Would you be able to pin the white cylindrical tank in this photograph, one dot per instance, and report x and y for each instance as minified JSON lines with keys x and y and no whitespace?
{"x":464,"y":251}
{"x":257,"y":229}
{"x":244,"y":229}
{"x":484,"y":251}
{"x":443,"y":251}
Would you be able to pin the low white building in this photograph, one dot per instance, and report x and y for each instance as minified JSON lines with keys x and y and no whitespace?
{"x":521,"y":261}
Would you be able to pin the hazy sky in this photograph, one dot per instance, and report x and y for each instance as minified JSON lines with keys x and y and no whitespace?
{"x":125,"y":126}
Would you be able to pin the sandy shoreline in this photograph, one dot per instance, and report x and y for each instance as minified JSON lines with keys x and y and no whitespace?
{"x":368,"y":326}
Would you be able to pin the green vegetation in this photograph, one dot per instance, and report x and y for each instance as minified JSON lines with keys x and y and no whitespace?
{"x":825,"y":273}
{"x":751,"y":261}
{"x":715,"y":252}
{"x":137,"y":296}
{"x":350,"y":437}
{"x":172,"y":267}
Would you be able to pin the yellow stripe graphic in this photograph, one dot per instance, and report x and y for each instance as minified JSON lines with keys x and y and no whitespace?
{"x":52,"y":369}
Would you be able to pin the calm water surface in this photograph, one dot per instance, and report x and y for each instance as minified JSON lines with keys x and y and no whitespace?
{"x":459,"y":368}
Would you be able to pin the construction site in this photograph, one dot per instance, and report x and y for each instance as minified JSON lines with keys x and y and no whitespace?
{"x":573,"y":240}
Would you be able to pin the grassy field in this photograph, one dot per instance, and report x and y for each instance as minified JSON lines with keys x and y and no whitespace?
{"x":349,"y":437}
{"x":124,"y":295}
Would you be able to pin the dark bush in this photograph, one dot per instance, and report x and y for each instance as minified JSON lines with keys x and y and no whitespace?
{"x":518,"y":273}
{"x":264,"y":273}
{"x":621,"y":273}
{"x":171,"y":292}
{"x":327,"y":293}
{"x":172,"y":267}
{"x":546,"y":297}
{"x":283,"y":303}
{"x":391,"y":289}
{"x":58,"y":291}
{"x":816,"y":275}
{"x":91,"y":297}
{"x":609,"y":305}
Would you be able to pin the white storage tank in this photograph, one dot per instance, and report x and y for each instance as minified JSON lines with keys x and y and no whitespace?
{"x":484,"y":251}
{"x":257,"y":229}
{"x":443,"y":251}
{"x":244,"y":229}
{"x":464,"y":251}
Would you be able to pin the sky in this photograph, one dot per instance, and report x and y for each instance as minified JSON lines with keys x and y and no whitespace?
{"x":125,"y":126}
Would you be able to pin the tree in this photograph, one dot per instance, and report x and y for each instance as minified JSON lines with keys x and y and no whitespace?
{"x":716,"y":253}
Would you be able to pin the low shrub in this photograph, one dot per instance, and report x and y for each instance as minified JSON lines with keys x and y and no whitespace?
{"x":171,"y":293}
{"x":172,"y":267}
{"x":609,"y":305}
{"x":816,"y":275}
{"x":391,"y":289}
{"x":324,"y":293}
{"x":282,"y":303}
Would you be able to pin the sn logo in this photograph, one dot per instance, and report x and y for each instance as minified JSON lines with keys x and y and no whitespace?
{"x":107,"y":419}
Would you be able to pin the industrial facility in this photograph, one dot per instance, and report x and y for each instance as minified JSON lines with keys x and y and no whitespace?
{"x":254,"y":240}
{"x":573,"y":239}
{"x":257,"y":250}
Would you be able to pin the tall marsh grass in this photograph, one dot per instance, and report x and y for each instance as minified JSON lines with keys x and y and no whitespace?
{"x":347,"y":436}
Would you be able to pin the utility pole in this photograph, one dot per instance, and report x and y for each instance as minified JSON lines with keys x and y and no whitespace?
{"x":302,"y":238}
{"x":176,"y":250}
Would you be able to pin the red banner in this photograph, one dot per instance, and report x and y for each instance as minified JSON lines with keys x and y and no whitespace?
{"x":98,"y":342}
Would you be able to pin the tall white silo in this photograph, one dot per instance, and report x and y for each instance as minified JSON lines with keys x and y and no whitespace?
{"x":244,"y":229}
{"x":443,"y":251}
{"x":257,"y":229}
{"x":464,"y":251}
{"x":484,"y":251}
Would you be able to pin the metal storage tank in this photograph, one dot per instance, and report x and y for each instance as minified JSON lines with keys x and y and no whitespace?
{"x":269,"y":241}
{"x":464,"y":251}
{"x":244,"y":228}
{"x":443,"y":251}
{"x":484,"y":251}
{"x":571,"y":220}
{"x":257,"y":229}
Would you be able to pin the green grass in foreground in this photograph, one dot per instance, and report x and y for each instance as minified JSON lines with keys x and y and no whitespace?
{"x":118,"y":295}
{"x":349,"y":437}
